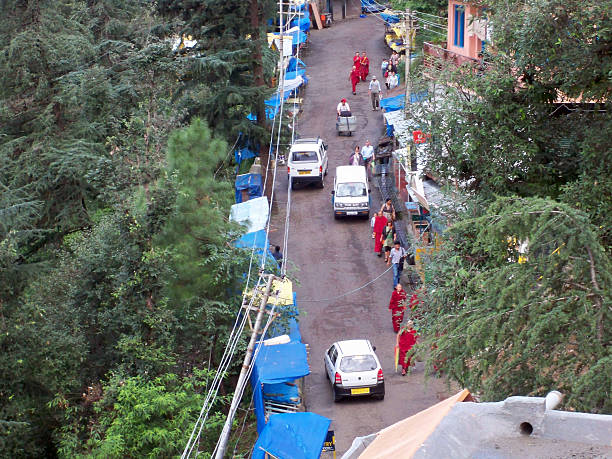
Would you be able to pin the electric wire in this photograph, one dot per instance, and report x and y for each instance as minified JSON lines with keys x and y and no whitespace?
{"x":351,"y":291}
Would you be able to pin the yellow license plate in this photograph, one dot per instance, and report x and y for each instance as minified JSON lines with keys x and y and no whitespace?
{"x":365,"y":390}
{"x":304,"y":172}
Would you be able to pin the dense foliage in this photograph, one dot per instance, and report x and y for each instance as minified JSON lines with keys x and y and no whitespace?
{"x":525,"y":135}
{"x":118,"y":280}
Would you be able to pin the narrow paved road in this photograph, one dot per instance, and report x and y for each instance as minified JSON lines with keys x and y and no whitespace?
{"x":332,"y":257}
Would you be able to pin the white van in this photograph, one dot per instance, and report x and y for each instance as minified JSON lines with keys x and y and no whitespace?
{"x":351,"y":195}
{"x":307,"y":162}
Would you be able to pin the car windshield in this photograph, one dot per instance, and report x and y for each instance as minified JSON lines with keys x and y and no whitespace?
{"x":305,"y":156}
{"x":354,"y":363}
{"x":352,"y":190}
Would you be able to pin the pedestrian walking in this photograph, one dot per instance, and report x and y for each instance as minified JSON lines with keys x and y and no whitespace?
{"x":387,"y":237}
{"x":394,"y":61}
{"x":356,"y":159}
{"x":396,"y":256}
{"x":397,"y":305}
{"x":357,"y":60}
{"x":384,"y":66}
{"x":380,"y":221}
{"x":406,"y":339}
{"x":388,"y":210}
{"x":392,"y":80}
{"x":367,"y":152}
{"x":374,"y":90}
{"x":364,"y":66}
{"x":354,"y":78}
{"x":278,"y":255}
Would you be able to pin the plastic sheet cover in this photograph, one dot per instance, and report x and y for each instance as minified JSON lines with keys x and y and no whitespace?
{"x":292,"y":436}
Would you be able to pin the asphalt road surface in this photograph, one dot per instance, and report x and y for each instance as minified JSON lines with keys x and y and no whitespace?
{"x":335,"y":256}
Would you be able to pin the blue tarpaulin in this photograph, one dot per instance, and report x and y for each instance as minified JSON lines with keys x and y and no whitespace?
{"x":391,"y":104}
{"x":389,"y":129}
{"x":371,"y":6}
{"x":250,"y":182}
{"x":290,"y":327}
{"x":297,"y":37}
{"x":292,"y":436}
{"x":295,"y":63}
{"x":276,"y":364}
{"x":243,"y":154}
{"x":294,"y":74}
{"x":303,"y":23}
{"x":390,"y":18}
{"x":286,"y":392}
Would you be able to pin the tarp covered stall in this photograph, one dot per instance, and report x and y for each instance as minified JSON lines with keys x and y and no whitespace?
{"x":274,"y":365}
{"x":292,"y":436}
{"x":251,"y":184}
{"x":290,"y":327}
{"x":257,"y":241}
{"x":391,"y":104}
{"x":242,"y":154}
{"x":303,"y":23}
{"x":253,"y":214}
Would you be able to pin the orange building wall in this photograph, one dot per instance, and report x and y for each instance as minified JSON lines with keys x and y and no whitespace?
{"x":471,"y":43}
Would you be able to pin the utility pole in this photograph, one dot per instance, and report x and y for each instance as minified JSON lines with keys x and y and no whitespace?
{"x":225,"y":433}
{"x":408,"y":46}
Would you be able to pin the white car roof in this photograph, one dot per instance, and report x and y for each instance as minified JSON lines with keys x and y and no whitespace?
{"x":350,"y":174}
{"x":355,"y":347}
{"x":306,"y":146}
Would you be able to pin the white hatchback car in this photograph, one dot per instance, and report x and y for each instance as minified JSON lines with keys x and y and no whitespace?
{"x":307,"y":162}
{"x":354,"y":369}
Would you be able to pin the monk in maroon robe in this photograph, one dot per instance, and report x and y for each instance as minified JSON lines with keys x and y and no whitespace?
{"x":357,"y":60}
{"x":354,"y":77}
{"x":397,"y":304}
{"x":380,"y":221}
{"x":406,"y":339}
{"x":364,"y":66}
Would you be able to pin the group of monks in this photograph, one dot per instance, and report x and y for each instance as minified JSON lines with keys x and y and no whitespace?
{"x":361,"y":68}
{"x":406,"y":335}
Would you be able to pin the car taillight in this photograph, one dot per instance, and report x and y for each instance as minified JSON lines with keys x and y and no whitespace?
{"x":288,"y":170}
{"x":380,"y":377}
{"x":338,"y":379}
{"x":320,"y":169}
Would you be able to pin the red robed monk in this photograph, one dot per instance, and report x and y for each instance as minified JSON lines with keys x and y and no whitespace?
{"x":365,"y":66}
{"x":406,"y":339}
{"x":380,"y":221}
{"x":354,"y":77}
{"x":397,"y":304}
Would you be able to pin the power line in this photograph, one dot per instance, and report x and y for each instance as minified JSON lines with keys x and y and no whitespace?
{"x":351,"y":291}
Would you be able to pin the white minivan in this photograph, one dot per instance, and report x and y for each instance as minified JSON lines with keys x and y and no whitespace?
{"x":351,"y":194}
{"x":307,"y":162}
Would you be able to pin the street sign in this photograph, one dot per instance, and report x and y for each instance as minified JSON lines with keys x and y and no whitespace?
{"x":330,"y":442}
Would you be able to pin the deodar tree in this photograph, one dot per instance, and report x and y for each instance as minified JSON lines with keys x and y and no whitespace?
{"x":519,"y":303}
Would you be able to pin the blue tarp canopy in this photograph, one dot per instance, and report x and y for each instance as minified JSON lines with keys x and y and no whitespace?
{"x":390,"y":18}
{"x":243,"y":154}
{"x":294,"y":74}
{"x":297,"y":36}
{"x":291,"y":327}
{"x":391,"y":104}
{"x":257,"y":239}
{"x":250,"y":182}
{"x":303,"y":23}
{"x":292,"y":436}
{"x":295,"y":63}
{"x":274,"y":365}
{"x":253,"y":214}
{"x":280,"y":363}
{"x":371,"y":6}
{"x":286,"y":392}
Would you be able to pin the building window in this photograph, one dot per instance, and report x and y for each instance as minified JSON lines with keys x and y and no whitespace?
{"x":459,"y":25}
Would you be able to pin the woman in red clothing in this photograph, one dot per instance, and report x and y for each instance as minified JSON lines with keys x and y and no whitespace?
{"x":380,"y":221}
{"x":365,"y":66}
{"x":354,"y":77}
{"x":397,"y":304}
{"x":406,"y":338}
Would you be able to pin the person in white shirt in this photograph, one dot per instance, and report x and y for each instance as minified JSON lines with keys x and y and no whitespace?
{"x":367,"y":152}
{"x":343,"y":107}
{"x":374,"y":90}
{"x":392,"y":80}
